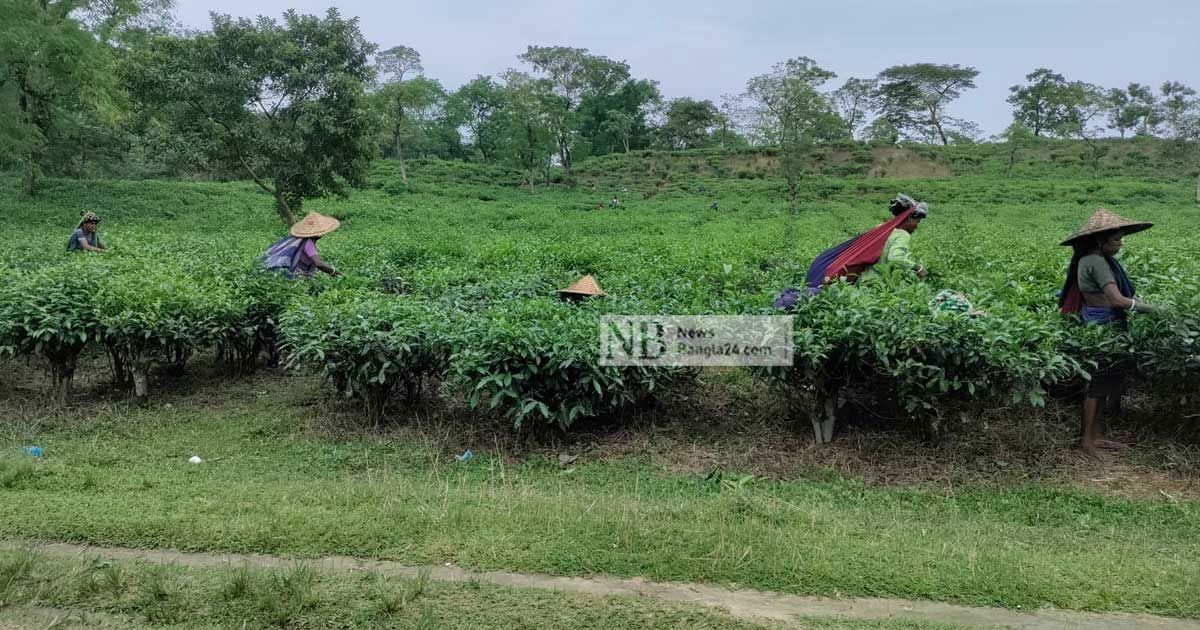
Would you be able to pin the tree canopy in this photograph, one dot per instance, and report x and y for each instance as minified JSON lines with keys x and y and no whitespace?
{"x":282,"y":101}
{"x":914,"y":97}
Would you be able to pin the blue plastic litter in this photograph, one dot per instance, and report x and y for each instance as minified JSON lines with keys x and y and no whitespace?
{"x":35,"y":451}
{"x":465,"y":457}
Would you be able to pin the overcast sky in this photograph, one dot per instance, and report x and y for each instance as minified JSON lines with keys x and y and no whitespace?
{"x":705,"y":49}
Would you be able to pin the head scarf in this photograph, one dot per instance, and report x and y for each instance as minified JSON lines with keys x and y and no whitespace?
{"x":903,"y":202}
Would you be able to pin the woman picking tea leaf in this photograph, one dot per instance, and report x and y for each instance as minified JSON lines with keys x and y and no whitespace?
{"x":1099,"y":290}
{"x":296,"y":255}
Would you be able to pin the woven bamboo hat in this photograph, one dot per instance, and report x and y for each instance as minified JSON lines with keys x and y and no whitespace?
{"x":315,"y":224}
{"x":585,"y":286}
{"x":1105,"y":220}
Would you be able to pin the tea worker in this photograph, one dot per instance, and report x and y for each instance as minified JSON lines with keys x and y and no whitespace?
{"x":296,"y":255}
{"x":85,"y":238}
{"x":896,"y":250}
{"x":583,"y":288}
{"x":1099,"y":290}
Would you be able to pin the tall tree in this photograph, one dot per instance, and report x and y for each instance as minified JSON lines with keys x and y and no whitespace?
{"x":914,"y":97}
{"x":732,"y":122}
{"x":397,"y":63}
{"x":689,"y":124}
{"x":619,"y":124}
{"x":1179,"y":108}
{"x":282,"y":102}
{"x":476,"y":104}
{"x":406,"y":110}
{"x":1038,"y":105}
{"x":1085,"y":105}
{"x":56,"y":68}
{"x":792,"y":113}
{"x":635,"y":99}
{"x":1143,"y":109}
{"x":1117,"y":106}
{"x":528,"y":138}
{"x":853,"y":102}
{"x":1016,"y":138}
{"x":573,"y":73}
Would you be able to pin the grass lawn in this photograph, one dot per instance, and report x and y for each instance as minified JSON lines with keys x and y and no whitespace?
{"x":116,"y":474}
{"x":88,"y":592}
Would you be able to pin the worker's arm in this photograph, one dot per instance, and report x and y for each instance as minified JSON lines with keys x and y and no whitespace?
{"x":324,"y":266}
{"x":1123,"y":303}
{"x":88,"y":247}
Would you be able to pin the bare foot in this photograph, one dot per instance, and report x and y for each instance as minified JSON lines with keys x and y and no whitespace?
{"x":1112,"y":446}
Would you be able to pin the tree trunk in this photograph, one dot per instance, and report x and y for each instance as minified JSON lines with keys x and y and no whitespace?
{"x":400,"y":156}
{"x":31,"y":175}
{"x":792,"y":188}
{"x":62,"y":372}
{"x":285,"y":212}
{"x":63,"y":388}
{"x":937,"y":124}
{"x":31,"y":178}
{"x":564,"y":154}
{"x":140,"y":382}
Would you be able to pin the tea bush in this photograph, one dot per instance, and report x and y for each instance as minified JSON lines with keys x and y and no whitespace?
{"x":536,"y":360}
{"x":884,"y":333}
{"x":442,"y":285}
{"x":258,"y":300}
{"x":49,"y":313}
{"x":369,"y":345}
{"x":158,"y":316}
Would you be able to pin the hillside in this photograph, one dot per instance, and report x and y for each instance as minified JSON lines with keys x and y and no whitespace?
{"x":1145,"y":158}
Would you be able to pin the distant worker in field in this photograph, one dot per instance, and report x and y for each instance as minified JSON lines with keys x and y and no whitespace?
{"x":1099,"y":291}
{"x":614,"y":203}
{"x":85,"y":238}
{"x":296,"y":255}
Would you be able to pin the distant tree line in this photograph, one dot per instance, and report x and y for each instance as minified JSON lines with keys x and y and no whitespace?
{"x":302,"y":105}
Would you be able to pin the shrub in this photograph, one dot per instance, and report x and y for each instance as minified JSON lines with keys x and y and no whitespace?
{"x":536,"y":360}
{"x":889,"y":338}
{"x":259,"y":299}
{"x":369,"y":345}
{"x":50,"y":313}
{"x":157,"y":315}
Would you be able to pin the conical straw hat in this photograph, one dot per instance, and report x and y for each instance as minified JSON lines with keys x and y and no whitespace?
{"x":314,"y":225}
{"x":584,"y":286}
{"x":1105,"y":220}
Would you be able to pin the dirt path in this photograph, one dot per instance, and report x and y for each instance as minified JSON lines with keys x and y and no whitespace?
{"x":751,"y":605}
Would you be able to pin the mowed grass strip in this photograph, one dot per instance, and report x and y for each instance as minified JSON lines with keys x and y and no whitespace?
{"x":134,"y":594}
{"x":122,"y":479}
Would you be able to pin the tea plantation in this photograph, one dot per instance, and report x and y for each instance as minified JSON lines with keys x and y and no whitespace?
{"x":452,"y":282}
{"x":448,"y":300}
